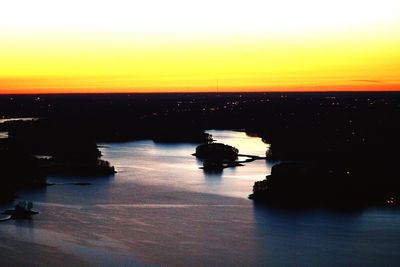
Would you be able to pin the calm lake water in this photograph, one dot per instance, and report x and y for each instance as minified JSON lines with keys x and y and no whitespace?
{"x":3,"y":135}
{"x":160,"y":209}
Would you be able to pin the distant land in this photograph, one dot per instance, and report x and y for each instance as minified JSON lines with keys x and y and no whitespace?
{"x":335,"y":149}
{"x":358,"y":86}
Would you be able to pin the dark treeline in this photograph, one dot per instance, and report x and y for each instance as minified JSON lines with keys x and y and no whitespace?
{"x":345,"y":145}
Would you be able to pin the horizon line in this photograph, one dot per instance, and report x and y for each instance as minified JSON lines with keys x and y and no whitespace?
{"x":203,"y":92}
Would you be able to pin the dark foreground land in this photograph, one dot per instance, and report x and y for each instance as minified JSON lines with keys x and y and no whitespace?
{"x":335,"y":149}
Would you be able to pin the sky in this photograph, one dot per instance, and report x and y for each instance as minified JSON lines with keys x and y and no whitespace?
{"x":83,"y":46}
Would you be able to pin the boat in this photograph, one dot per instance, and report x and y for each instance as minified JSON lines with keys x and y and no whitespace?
{"x":22,"y":210}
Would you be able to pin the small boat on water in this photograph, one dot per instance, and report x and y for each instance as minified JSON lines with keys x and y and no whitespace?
{"x":22,"y":210}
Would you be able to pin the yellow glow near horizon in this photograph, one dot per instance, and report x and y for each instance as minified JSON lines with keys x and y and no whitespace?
{"x":176,"y":45}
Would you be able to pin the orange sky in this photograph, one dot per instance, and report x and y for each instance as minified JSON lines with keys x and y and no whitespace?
{"x":187,"y":46}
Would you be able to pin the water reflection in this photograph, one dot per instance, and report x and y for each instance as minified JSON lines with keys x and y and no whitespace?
{"x":24,"y":227}
{"x":327,"y":238}
{"x":173,"y":165}
{"x":3,"y":119}
{"x":3,"y":135}
{"x":246,"y":143}
{"x":160,"y":209}
{"x":213,"y":178}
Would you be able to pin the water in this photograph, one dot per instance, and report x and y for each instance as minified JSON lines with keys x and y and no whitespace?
{"x":160,"y":209}
{"x":3,"y":135}
{"x":4,"y":119}
{"x":172,"y":165}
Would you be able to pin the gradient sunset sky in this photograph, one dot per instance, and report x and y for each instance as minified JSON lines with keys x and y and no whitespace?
{"x":182,"y":45}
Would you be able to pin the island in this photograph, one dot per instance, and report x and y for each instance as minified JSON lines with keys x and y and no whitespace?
{"x":216,"y":151}
{"x":217,"y":156}
{"x":322,"y":184}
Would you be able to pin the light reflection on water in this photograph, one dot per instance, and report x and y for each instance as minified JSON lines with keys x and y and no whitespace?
{"x":161,"y":209}
{"x":3,"y":135}
{"x":152,"y":163}
{"x":3,"y":120}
